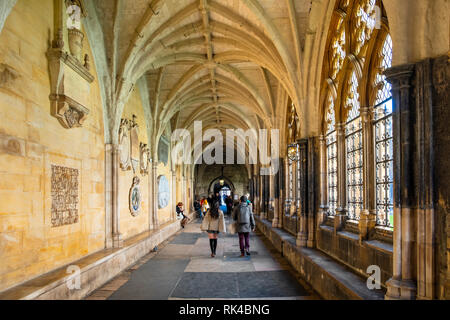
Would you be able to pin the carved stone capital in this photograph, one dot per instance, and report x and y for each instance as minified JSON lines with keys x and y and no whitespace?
{"x":400,"y":76}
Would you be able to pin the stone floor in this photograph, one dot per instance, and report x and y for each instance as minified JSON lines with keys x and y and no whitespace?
{"x":182,"y":268}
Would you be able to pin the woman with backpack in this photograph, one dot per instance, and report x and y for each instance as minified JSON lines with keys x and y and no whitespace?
{"x":245,"y":224}
{"x":213,"y":223}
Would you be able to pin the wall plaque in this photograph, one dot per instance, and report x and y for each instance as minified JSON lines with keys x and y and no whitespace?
{"x":135,"y":197}
{"x":64,"y":185}
{"x":163,"y":192}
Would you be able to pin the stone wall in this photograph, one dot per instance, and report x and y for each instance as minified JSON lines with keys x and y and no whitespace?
{"x":31,"y":142}
{"x":130,"y":225}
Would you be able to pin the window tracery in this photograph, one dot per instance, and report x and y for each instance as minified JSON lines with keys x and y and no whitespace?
{"x":359,"y":52}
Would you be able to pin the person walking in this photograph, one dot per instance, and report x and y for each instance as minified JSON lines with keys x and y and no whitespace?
{"x":213,"y":223}
{"x":229,"y":203}
{"x":198,"y":209}
{"x":245,"y":224}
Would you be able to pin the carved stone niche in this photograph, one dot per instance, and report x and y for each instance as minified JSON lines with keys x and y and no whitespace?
{"x":145,"y":158}
{"x":70,"y":79}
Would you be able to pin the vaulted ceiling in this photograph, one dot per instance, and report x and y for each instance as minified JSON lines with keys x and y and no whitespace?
{"x":228,"y":63}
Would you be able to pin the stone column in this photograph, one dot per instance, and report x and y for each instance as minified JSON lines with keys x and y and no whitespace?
{"x":184,"y":194}
{"x":155,"y":195}
{"x":323,"y":210}
{"x":302,"y":199}
{"x":341,"y":211}
{"x":262,"y":197}
{"x":368,"y":215}
{"x":113,"y":236}
{"x":272,"y":202}
{"x":313,"y":188}
{"x":402,"y":285}
{"x":287,"y":199}
{"x":174,"y":196}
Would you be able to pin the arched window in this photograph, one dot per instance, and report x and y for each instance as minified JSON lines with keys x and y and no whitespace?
{"x":358,"y":99}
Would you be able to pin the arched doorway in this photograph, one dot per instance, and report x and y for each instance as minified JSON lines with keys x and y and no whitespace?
{"x":224,"y":187}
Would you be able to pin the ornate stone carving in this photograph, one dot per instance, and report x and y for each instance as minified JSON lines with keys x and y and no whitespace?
{"x":163,"y":192}
{"x":125,"y":145}
{"x":135,"y":197}
{"x":69,"y":78}
{"x":144,"y":159}
{"x":64,"y":193}
{"x":135,"y":152}
{"x":76,"y":42}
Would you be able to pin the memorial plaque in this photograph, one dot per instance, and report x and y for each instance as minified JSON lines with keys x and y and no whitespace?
{"x":64,"y":185}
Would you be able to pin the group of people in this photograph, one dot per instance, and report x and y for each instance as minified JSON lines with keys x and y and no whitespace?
{"x":213,"y":221}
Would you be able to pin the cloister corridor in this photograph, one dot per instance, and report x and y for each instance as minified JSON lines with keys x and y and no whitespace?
{"x":318,"y":128}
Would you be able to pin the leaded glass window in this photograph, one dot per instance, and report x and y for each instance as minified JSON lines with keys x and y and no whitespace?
{"x":384,"y":154}
{"x":331,"y":158}
{"x":291,"y":181}
{"x":354,"y":153}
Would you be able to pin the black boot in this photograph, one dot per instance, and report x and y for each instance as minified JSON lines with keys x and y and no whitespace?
{"x":215,"y":246}
{"x":211,"y":244}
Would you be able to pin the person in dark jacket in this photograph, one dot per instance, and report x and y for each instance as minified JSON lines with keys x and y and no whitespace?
{"x":229,"y":203}
{"x":198,"y":209}
{"x":180,"y":214}
{"x":243,"y":215}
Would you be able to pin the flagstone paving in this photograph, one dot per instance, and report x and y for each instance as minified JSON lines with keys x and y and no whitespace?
{"x":182,"y":268}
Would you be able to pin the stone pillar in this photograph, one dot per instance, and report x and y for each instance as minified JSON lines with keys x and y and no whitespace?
{"x":368,"y":215}
{"x":273,"y":203}
{"x":287,"y":198}
{"x":256,"y":195}
{"x":402,"y":285}
{"x":174,"y":196}
{"x":341,"y":211}
{"x":155,"y":195}
{"x":184,"y":193}
{"x":313,"y":189}
{"x":262,"y":197}
{"x":113,"y":236}
{"x":302,"y":198}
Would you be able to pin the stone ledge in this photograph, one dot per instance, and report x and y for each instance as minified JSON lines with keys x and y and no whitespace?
{"x":328,"y":278}
{"x":95,"y":269}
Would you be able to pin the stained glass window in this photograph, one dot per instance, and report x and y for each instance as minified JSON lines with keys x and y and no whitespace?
{"x":384,"y":154}
{"x":354,"y":153}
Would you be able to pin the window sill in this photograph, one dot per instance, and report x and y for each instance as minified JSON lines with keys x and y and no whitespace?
{"x":352,"y":226}
{"x":349,"y":235}
{"x":384,"y":234}
{"x":380,"y":246}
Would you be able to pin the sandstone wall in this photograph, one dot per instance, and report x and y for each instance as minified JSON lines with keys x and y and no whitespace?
{"x":31,"y":142}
